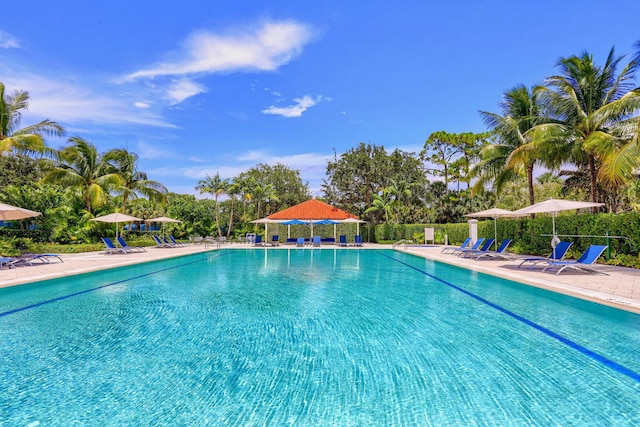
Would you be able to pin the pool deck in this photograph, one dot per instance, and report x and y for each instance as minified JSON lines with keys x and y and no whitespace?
{"x":619,"y":287}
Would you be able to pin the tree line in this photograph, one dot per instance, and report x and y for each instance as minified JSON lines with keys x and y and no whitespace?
{"x":578,"y":132}
{"x":580,"y":125}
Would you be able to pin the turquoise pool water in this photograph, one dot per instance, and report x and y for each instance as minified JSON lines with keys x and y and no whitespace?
{"x":311,"y":337}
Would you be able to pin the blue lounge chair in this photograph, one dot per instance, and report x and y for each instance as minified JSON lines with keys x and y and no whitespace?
{"x":342,"y":240}
{"x":169,"y":243}
{"x":160,"y":243}
{"x":126,"y":247}
{"x":498,"y":253}
{"x":111,"y":248}
{"x":583,"y":263}
{"x":475,"y":247}
{"x":464,"y":245}
{"x":20,"y":261}
{"x":258,"y":241}
{"x":47,"y":258}
{"x":316,"y":241}
{"x":275,"y":240}
{"x":357,"y":240}
{"x":175,"y":242}
{"x":470,"y":253}
{"x":300,"y":242}
{"x":6,"y":261}
{"x":556,"y":255}
{"x":30,"y":258}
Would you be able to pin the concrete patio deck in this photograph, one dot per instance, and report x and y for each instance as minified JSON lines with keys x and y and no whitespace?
{"x":616,"y":287}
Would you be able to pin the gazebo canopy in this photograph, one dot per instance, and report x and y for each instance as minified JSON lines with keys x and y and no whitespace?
{"x":312,"y":210}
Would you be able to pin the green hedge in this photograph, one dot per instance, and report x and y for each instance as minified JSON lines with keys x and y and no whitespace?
{"x":527,"y":234}
{"x":393,"y":232}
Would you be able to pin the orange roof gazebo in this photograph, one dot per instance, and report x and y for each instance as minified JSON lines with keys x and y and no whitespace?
{"x":312,"y":210}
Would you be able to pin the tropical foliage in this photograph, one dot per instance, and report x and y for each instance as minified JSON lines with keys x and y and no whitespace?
{"x":576,"y":136}
{"x":29,"y":139}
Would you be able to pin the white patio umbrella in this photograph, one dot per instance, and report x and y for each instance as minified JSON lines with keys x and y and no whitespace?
{"x":117,"y":218}
{"x":10,"y":212}
{"x":163,"y":220}
{"x":494,"y":213}
{"x":553,"y":206}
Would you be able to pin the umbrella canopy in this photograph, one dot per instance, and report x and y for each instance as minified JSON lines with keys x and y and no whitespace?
{"x":117,"y":218}
{"x":264,"y":221}
{"x":326,"y":221}
{"x":9,"y":212}
{"x":290,"y":223}
{"x":553,"y":206}
{"x":294,"y":222}
{"x":494,"y":213}
{"x":163,"y":220}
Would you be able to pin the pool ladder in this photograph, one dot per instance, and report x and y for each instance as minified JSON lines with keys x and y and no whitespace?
{"x":402,"y":243}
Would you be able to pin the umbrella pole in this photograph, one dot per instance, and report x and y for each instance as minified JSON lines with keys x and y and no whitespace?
{"x":495,"y":233}
{"x":553,"y":237}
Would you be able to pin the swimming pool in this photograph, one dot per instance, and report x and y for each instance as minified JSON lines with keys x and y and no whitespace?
{"x":311,"y":337}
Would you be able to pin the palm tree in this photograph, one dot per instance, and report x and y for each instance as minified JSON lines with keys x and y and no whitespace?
{"x":549,"y":178}
{"x":233,"y":190}
{"x":246,"y":194}
{"x":134,"y":182}
{"x":81,"y":166}
{"x":28,"y":139}
{"x":590,"y":102}
{"x":511,"y":155}
{"x":401,"y":191}
{"x":217,"y":187}
{"x":383,"y":203}
{"x":263,"y":193}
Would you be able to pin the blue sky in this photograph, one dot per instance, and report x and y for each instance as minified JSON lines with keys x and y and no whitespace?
{"x":199,"y":87}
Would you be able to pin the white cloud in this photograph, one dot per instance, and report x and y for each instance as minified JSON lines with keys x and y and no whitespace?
{"x":7,"y":41}
{"x":311,"y":165}
{"x":179,"y":90}
{"x":70,"y":103}
{"x":141,"y":104}
{"x":301,"y":105}
{"x":264,"y":48}
{"x":196,"y":159}
{"x":148,"y":151}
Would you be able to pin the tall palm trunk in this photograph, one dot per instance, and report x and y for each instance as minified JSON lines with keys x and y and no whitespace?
{"x":530,"y":185}
{"x":230,"y":219}
{"x":124,"y":203}
{"x":593,"y":177}
{"x":218,"y":217}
